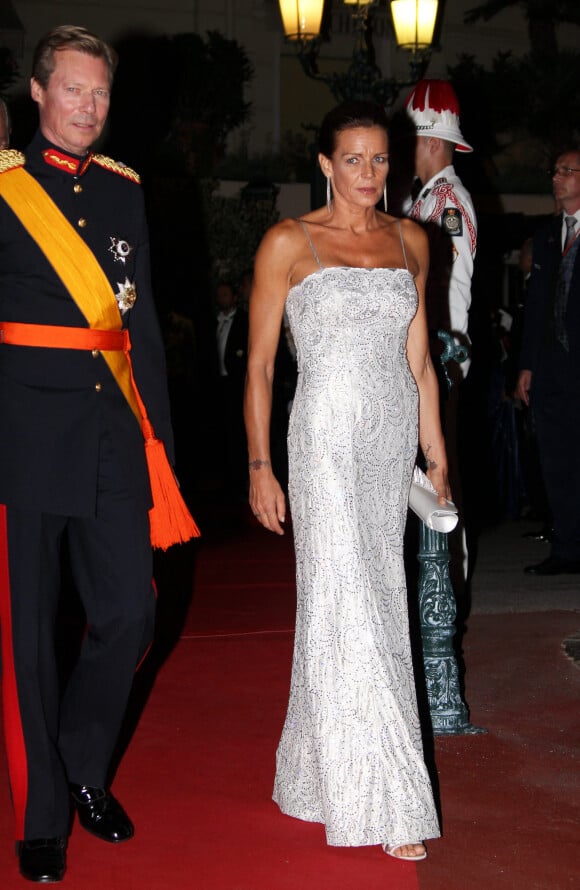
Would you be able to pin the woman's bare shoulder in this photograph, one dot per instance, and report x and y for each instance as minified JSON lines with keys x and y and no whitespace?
{"x":415,"y":243}
{"x":287,"y":229}
{"x":413,"y":233}
{"x":282,"y":236}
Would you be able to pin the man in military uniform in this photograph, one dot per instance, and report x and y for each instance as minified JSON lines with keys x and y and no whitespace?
{"x":71,"y":449}
{"x":444,"y":207}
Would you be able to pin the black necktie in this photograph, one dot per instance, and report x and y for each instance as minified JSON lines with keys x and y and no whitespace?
{"x":570,"y":226}
{"x":563,"y":282}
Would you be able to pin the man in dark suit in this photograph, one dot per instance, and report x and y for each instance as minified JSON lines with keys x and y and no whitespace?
{"x":5,"y":126}
{"x":549,"y":379}
{"x":72,"y":456}
{"x":232,"y":358}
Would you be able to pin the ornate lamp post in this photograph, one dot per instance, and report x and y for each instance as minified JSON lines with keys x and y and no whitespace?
{"x":413,"y":25}
{"x":437,"y":611}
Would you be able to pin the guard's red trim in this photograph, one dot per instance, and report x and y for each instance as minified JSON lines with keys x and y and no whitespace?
{"x":14,"y":735}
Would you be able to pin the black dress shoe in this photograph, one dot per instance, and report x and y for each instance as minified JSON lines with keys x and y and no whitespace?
{"x":543,"y":534}
{"x":553,"y":565}
{"x":101,"y":814}
{"x":44,"y":860}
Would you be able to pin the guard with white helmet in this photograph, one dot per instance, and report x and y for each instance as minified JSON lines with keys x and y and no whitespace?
{"x":443,"y":201}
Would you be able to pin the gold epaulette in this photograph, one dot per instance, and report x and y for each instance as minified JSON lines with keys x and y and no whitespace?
{"x":10,"y":158}
{"x":116,"y":167}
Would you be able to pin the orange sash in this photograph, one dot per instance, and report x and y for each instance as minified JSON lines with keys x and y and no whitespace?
{"x":16,"y":333}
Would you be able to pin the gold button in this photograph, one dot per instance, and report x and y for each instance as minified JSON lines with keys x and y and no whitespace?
{"x":82,"y":222}
{"x":95,"y":353}
{"x":98,"y":387}
{"x":77,"y":188}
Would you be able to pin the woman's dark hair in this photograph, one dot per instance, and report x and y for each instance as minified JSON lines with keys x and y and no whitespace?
{"x":347,"y":116}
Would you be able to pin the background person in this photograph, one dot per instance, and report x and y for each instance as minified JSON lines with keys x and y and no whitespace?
{"x":5,"y":125}
{"x":549,"y":379}
{"x":444,"y":206}
{"x":352,"y":280}
{"x":231,"y":339}
{"x":537,"y":502}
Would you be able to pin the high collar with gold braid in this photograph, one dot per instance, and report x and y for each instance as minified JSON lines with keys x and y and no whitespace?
{"x":11,"y":158}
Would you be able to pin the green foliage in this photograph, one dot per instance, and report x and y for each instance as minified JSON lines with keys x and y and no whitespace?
{"x":186,"y":94}
{"x":211,"y":75}
{"x":534,"y":10}
{"x":235,"y":227}
{"x":542,"y":17}
{"x":292,"y":163}
{"x":519,"y":99}
{"x":523,"y":110}
{"x":199,"y":88}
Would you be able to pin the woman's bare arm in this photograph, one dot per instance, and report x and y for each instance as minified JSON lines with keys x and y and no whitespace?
{"x":419,"y":356}
{"x":272,"y":272}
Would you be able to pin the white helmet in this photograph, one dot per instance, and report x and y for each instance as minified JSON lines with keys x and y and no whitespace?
{"x":434,"y":109}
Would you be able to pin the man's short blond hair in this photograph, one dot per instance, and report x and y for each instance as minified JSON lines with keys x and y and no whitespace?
{"x":69,"y":37}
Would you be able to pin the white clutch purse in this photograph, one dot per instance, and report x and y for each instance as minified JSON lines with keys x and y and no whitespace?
{"x":424,"y":502}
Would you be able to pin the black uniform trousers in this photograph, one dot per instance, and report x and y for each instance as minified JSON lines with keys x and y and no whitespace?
{"x":52,"y":738}
{"x":555,"y":403}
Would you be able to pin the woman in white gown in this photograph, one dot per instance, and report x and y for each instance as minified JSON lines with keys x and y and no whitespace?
{"x":351,"y":279}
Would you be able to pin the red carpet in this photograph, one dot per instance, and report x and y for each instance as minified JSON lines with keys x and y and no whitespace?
{"x":197,"y":776}
{"x":243,"y":583}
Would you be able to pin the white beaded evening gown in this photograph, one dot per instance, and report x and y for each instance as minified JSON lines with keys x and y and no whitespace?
{"x":350,"y":755}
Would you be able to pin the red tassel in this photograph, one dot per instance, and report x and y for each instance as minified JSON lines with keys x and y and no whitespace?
{"x":169,"y":519}
{"x":170,"y":522}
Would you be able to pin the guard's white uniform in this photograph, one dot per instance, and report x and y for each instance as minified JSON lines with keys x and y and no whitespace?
{"x":445,"y":201}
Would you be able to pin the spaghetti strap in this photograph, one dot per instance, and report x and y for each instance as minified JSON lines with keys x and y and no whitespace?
{"x":403,"y":245}
{"x":312,"y":248}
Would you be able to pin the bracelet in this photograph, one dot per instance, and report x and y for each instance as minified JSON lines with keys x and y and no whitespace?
{"x":258,"y":464}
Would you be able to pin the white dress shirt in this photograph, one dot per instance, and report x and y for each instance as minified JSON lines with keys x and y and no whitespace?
{"x":565,"y":227}
{"x":224,"y":323}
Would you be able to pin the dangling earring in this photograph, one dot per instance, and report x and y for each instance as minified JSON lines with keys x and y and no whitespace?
{"x":328,"y":195}
{"x":385,"y":196}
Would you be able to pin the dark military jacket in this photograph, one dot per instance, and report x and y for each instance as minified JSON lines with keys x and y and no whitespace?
{"x":56,"y":404}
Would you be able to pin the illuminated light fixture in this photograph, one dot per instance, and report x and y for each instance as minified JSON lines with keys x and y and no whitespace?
{"x":413,"y":25}
{"x":301,"y":19}
{"x":414,"y":22}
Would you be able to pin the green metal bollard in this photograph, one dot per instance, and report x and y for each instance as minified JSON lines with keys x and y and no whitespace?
{"x":437,"y":610}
